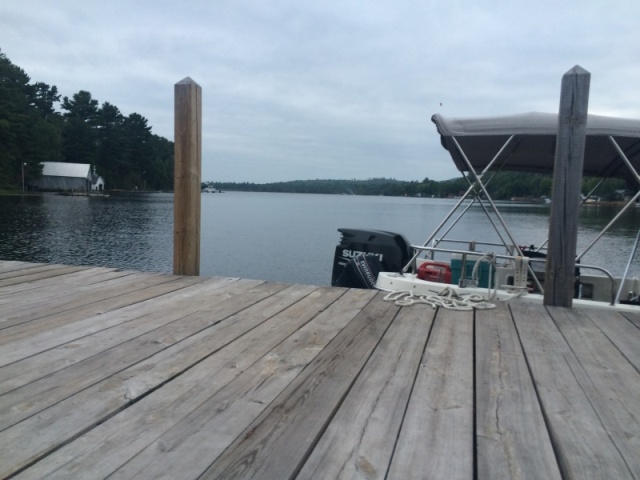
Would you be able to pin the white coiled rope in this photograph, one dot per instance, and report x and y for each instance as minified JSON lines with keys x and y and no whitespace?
{"x":447,"y":298}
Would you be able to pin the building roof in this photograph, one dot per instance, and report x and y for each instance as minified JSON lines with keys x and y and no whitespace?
{"x":62,"y":169}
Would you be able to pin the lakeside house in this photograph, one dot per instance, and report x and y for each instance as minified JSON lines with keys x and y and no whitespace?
{"x":97,"y":182}
{"x":69,"y":176}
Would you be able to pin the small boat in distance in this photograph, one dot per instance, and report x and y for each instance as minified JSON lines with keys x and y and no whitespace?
{"x":512,"y":267}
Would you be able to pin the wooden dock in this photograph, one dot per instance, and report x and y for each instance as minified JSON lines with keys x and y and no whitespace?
{"x":121,"y":374}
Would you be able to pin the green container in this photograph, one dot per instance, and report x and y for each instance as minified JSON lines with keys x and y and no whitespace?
{"x":485,"y":273}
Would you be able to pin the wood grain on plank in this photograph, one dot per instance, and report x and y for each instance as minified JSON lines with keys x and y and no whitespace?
{"x":436,"y":440}
{"x":83,"y":277}
{"x":30,"y":306}
{"x":512,"y":438}
{"x":360,"y":439}
{"x":149,"y":302}
{"x":235,"y":347}
{"x":50,"y":389}
{"x":276,"y":444}
{"x":611,"y":383}
{"x":46,"y":271}
{"x":621,"y":331}
{"x":581,"y":442}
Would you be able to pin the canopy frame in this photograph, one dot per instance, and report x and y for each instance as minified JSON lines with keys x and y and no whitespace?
{"x":511,"y":137}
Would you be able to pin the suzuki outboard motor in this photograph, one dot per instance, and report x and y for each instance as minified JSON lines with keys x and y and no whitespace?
{"x":362,"y":254}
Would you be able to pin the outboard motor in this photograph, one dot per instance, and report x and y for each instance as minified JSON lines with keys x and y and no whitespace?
{"x":362,"y":254}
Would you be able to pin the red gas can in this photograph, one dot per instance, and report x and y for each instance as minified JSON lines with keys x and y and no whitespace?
{"x":435,"y":272}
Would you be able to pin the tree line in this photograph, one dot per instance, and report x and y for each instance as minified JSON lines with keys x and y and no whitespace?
{"x":386,"y":187}
{"x":38,"y":125}
{"x":502,"y":186}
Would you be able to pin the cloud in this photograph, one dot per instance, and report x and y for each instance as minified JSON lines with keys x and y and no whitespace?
{"x":327,"y":89}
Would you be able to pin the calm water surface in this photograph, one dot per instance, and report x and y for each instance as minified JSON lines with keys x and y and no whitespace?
{"x":282,"y":237}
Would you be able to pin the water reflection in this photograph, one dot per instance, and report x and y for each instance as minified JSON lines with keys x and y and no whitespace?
{"x":118,"y":231}
{"x":281,"y":237}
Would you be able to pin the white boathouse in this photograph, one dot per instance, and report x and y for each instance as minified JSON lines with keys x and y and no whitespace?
{"x":68,"y":176}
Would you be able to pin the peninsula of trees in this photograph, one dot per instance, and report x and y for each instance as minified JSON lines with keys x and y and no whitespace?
{"x":36,"y":126}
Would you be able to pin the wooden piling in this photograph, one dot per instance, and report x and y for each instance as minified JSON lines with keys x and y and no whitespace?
{"x":187,"y":177}
{"x":567,"y":180}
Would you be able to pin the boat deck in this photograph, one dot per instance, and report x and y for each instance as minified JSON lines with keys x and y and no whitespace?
{"x":139,"y":375}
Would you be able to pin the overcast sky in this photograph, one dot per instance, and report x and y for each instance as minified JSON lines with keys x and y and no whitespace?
{"x":328,"y":89}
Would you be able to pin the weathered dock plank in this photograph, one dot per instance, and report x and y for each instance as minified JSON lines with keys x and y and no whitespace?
{"x":622,"y":331}
{"x":512,"y":439}
{"x":78,"y":278}
{"x":142,"y":375}
{"x":277,"y":443}
{"x":15,"y":268}
{"x":611,"y":382}
{"x":67,"y":327}
{"x":436,"y":439}
{"x":35,"y":273}
{"x":633,"y":318}
{"x":375,"y":406}
{"x":27,"y":307}
{"x":69,"y":352}
{"x":10,"y":265}
{"x":582,"y":444}
{"x":110,"y":396}
{"x":50,"y":389}
{"x":229,"y":350}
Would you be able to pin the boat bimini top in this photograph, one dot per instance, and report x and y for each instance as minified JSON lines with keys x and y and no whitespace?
{"x":527,"y":142}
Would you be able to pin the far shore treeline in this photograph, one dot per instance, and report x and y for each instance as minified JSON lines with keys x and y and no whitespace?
{"x":391,"y":187}
{"x":502,"y":186}
{"x":38,"y":125}
{"x":33,"y":130}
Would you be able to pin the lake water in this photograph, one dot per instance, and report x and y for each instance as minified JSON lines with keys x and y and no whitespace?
{"x":270,"y":236}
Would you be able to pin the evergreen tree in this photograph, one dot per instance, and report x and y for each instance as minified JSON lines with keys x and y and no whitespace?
{"x":123,"y":149}
{"x":26,"y":136}
{"x":110,"y":161}
{"x":79,"y":137}
{"x":139,"y":150}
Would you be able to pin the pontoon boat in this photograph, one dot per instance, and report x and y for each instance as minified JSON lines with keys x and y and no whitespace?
{"x":493,"y":272}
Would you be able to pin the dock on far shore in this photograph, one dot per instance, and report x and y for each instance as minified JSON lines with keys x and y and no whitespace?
{"x":123,"y":374}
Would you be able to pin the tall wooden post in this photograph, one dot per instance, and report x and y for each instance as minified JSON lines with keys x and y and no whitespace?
{"x":187,"y":177}
{"x":567,"y":180}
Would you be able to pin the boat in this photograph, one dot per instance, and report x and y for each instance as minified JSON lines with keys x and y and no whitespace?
{"x":473,"y":270}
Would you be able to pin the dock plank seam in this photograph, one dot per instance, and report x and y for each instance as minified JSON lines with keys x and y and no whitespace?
{"x":301,"y":381}
{"x":555,"y":444}
{"x":413,"y":384}
{"x":294,"y":397}
{"x":25,"y":346}
{"x":129,"y":401}
{"x":236,"y":385}
{"x":574,"y":452}
{"x":62,"y":307}
{"x":303,"y":459}
{"x":156,"y":350}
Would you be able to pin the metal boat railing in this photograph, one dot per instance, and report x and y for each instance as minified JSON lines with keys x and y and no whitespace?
{"x":614,"y":298}
{"x":513,"y":258}
{"x":513,"y":251}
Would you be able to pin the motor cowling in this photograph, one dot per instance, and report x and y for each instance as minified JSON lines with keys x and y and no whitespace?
{"x":362,"y":254}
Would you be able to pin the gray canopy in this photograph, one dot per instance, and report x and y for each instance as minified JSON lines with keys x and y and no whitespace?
{"x":534,"y":144}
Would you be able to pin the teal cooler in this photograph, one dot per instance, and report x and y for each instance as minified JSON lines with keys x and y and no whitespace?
{"x":485,"y":273}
